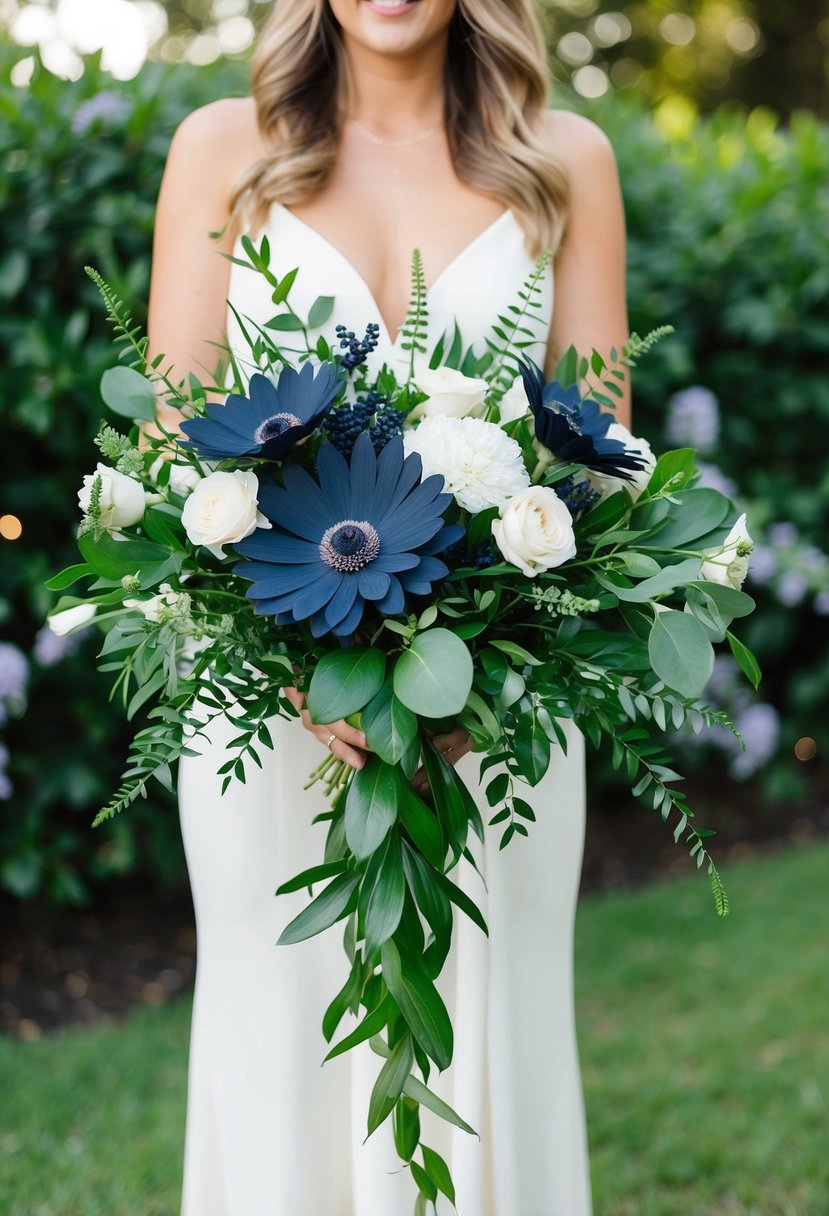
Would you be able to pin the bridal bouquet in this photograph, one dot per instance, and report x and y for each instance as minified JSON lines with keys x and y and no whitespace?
{"x":463,"y":544}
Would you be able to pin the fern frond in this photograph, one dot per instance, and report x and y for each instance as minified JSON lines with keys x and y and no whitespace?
{"x":415,"y":324}
{"x":119,"y":316}
{"x":511,"y":333}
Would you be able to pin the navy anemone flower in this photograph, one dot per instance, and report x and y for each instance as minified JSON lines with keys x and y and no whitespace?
{"x":573,"y":428}
{"x":271,"y":420}
{"x":365,"y":532}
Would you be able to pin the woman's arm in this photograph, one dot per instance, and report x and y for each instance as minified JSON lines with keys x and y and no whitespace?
{"x":189,"y":277}
{"x":590,"y":306}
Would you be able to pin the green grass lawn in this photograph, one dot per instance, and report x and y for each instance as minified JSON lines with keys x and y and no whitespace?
{"x":705,"y":1055}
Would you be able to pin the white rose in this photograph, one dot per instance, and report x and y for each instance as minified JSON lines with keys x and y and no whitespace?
{"x":728,"y":565}
{"x":450,"y":392}
{"x":514,"y":403}
{"x":121,"y":500}
{"x":69,"y":619}
{"x":222,"y":510}
{"x":638,"y":447}
{"x":535,"y":531}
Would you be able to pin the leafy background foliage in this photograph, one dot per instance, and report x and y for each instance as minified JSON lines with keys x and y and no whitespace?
{"x":729,"y":240}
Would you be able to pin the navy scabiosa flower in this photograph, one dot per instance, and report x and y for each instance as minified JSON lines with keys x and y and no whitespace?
{"x":573,"y":428}
{"x":271,"y":420}
{"x":366,"y":532}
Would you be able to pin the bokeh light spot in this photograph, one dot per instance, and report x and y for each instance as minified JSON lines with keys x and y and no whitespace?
{"x":10,"y":527}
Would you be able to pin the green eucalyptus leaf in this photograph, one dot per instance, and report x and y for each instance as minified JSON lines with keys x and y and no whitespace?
{"x":371,"y":1024}
{"x":434,"y":676}
{"x":419,"y":1002}
{"x":344,"y":682}
{"x":320,"y":311}
{"x":745,"y":658}
{"x":681,"y":652}
{"x":389,"y":725}
{"x":128,"y":393}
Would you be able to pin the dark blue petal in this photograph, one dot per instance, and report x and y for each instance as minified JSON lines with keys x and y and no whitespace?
{"x":277,"y":580}
{"x":363,"y":477}
{"x":393,"y":561}
{"x":410,"y":533}
{"x":409,"y":477}
{"x":317,"y":594}
{"x":278,"y":547}
{"x":389,"y":466}
{"x":332,"y":468}
{"x":347,"y":626}
{"x":394,"y":600}
{"x":373,"y":583}
{"x":343,"y":600}
{"x":447,"y":536}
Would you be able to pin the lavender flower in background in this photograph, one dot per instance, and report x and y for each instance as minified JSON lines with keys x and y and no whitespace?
{"x":764,"y":564}
{"x":6,"y":788}
{"x":713,"y":478}
{"x":791,"y":588}
{"x":693,"y":419}
{"x":783,"y":535}
{"x":49,"y":649}
{"x":105,"y":106}
{"x":760,"y":727}
{"x":14,"y":677}
{"x":820,"y":603}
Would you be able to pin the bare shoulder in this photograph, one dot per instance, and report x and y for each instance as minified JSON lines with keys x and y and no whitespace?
{"x":580,"y":144}
{"x":223,"y":134}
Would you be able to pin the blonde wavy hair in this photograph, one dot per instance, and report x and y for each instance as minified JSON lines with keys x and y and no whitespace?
{"x":496,"y":96}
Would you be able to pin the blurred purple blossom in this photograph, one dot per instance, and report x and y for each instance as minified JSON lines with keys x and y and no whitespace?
{"x":791,"y":588}
{"x":763,"y":565}
{"x":783,"y":534}
{"x":50,"y":648}
{"x":821,"y":603}
{"x":693,"y":419}
{"x":105,"y":105}
{"x":14,"y":676}
{"x":760,"y":727}
{"x":6,"y":789}
{"x":713,"y":478}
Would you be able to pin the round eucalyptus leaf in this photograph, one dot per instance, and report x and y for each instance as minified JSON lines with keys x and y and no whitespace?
{"x":128,"y":393}
{"x":681,"y":652}
{"x":434,"y":676}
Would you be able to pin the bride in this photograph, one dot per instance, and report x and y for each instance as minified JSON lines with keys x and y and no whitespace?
{"x":375,"y":127}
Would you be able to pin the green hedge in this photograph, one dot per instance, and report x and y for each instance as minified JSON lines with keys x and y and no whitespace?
{"x":729,"y":240}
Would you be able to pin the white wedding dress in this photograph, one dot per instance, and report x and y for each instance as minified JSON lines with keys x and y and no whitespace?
{"x":269,"y":1131}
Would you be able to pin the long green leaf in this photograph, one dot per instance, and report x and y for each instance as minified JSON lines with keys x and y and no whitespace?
{"x":329,"y":906}
{"x":420,"y":1003}
{"x":389,"y":1084}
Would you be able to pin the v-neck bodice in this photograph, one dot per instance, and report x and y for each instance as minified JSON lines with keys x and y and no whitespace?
{"x":482,"y":280}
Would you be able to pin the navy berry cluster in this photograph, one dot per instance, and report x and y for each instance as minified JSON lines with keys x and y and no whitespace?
{"x":371,"y":413}
{"x":357,"y":349}
{"x":577,"y":496}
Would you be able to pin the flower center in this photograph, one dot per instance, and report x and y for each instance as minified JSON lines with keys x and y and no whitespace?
{"x":349,"y":545}
{"x":275,"y":426}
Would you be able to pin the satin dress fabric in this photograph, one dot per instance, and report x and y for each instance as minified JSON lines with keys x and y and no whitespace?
{"x":271,"y":1132}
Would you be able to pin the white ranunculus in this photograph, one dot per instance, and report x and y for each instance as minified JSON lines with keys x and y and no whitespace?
{"x":222,"y":510}
{"x":122,"y":498}
{"x":514,"y":403}
{"x":728,"y":565}
{"x":480,"y":464}
{"x":535,"y":531}
{"x":69,"y":619}
{"x":449,"y":392}
{"x":638,"y":447}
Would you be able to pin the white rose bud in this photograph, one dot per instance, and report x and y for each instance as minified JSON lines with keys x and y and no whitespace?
{"x":69,"y":619}
{"x":729,"y":564}
{"x":223,"y":510}
{"x":514,"y":403}
{"x":183,"y":477}
{"x":121,"y":500}
{"x":535,"y":531}
{"x":449,"y":392}
{"x":639,"y":447}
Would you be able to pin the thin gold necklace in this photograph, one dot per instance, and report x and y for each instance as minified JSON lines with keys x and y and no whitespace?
{"x":393,"y":143}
